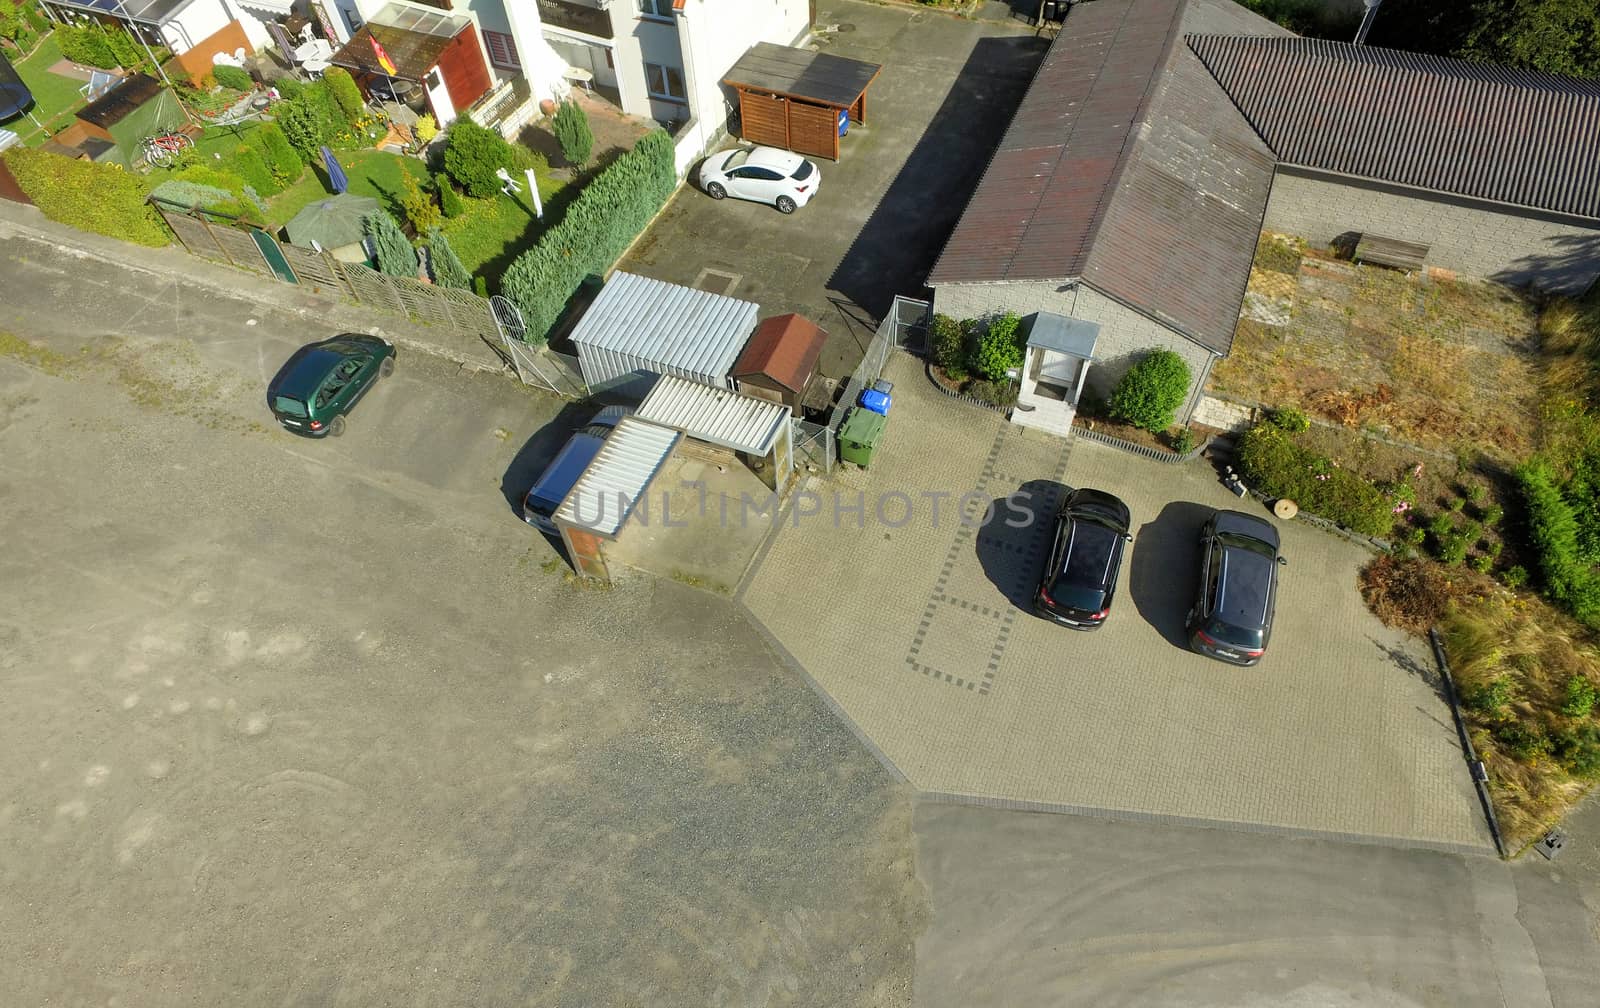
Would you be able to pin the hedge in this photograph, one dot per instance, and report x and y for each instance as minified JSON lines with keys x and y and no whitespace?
{"x":1271,"y":462}
{"x":597,"y":228}
{"x":1553,"y":529}
{"x":88,"y":195}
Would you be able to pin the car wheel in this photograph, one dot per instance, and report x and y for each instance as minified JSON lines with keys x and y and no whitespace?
{"x":786,"y":204}
{"x":336,"y":426}
{"x":715,"y":190}
{"x":386,"y":368}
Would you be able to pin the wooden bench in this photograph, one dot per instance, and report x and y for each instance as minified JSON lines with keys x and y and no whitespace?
{"x":1390,"y":252}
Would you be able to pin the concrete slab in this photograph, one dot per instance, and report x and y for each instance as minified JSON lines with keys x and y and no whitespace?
{"x":702,"y":523}
{"x":945,"y":95}
{"x":925,"y":642}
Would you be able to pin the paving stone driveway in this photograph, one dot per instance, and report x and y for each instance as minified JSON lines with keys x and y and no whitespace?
{"x":920,"y":641}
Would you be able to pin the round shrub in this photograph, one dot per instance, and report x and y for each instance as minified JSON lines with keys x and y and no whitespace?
{"x":472,"y":154}
{"x":234,"y":77}
{"x":947,"y":342}
{"x":571,"y":128}
{"x":1150,"y":393}
{"x":449,"y":199}
{"x":998,"y":349}
{"x":345,"y":93}
{"x":1292,"y":420}
{"x":248,"y":163}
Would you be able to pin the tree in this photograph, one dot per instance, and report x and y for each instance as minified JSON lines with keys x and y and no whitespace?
{"x":420,"y":210}
{"x":999,"y":348}
{"x":472,"y":154}
{"x":572,"y":132}
{"x":444,"y":264}
{"x":1556,"y":36}
{"x":449,"y":199}
{"x":393,"y":252}
{"x":947,"y":341}
{"x":1151,"y":392}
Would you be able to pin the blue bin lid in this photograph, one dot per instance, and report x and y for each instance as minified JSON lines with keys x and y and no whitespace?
{"x":875,"y":401}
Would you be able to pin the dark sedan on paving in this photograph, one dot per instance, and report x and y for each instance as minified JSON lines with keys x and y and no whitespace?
{"x":323,"y":381}
{"x":1239,"y":560}
{"x":1080,"y":577}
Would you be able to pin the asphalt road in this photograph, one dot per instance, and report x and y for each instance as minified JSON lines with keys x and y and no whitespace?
{"x":297,"y":723}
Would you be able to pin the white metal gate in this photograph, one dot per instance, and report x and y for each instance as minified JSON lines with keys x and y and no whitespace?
{"x":525,"y":357}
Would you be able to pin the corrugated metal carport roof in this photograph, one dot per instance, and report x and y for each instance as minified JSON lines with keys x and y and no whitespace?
{"x":618,"y":477}
{"x":715,"y":415}
{"x":680,"y":327}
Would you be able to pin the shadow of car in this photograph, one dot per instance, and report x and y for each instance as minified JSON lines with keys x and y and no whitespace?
{"x":1165,"y":567}
{"x":1013,"y":541}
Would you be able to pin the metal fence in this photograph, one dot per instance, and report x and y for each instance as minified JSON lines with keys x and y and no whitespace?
{"x":243,"y":247}
{"x":904,"y":327}
{"x":813,"y":446}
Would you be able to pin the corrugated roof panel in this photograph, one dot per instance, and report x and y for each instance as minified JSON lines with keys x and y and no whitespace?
{"x":1481,"y":130}
{"x":716,"y":415}
{"x":619,"y":476}
{"x":678,"y":327}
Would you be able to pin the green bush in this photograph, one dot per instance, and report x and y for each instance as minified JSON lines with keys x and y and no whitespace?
{"x":571,"y":128}
{"x":236,"y":78}
{"x":1151,"y":392}
{"x":289,"y":88}
{"x":597,"y":227}
{"x":1455,"y":504}
{"x":88,"y":195}
{"x":127,"y":52}
{"x":1581,"y":697}
{"x":472,"y":154}
{"x":1492,"y":697}
{"x":86,"y":44}
{"x":1182,"y":441}
{"x":1292,"y":420}
{"x":310,"y":120}
{"x":393,"y":252}
{"x":480,"y":286}
{"x":281,"y":157}
{"x":1453,"y":549}
{"x":443,"y":263}
{"x":249,"y":165}
{"x":1523,"y":741}
{"x":997,"y":350}
{"x":206,"y":188}
{"x":345,"y":93}
{"x":422,"y":213}
{"x":1416,"y":536}
{"x":1001,"y":393}
{"x":449,"y":199}
{"x":1272,"y":462}
{"x":1492,"y":515}
{"x":1578,"y":749}
{"x":1553,"y":528}
{"x":1514,"y":577}
{"x":947,"y":341}
{"x":1442,"y":525}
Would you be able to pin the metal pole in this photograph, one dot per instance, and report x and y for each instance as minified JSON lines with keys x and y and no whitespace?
{"x":1368,"y":15}
{"x":153,"y":61}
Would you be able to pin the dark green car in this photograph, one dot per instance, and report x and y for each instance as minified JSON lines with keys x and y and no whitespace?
{"x":322,"y":382}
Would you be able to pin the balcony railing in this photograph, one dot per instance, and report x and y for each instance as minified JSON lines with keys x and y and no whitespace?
{"x":576,"y":16}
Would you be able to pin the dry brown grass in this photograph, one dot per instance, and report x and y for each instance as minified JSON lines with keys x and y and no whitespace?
{"x":1413,"y":594}
{"x":1530,"y":652}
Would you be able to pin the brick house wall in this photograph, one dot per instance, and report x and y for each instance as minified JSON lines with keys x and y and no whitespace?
{"x":1550,"y":251}
{"x":1125,"y":334}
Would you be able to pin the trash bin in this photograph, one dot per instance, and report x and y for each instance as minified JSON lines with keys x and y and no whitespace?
{"x":883,"y":385}
{"x":874,"y":400}
{"x":860,"y":435}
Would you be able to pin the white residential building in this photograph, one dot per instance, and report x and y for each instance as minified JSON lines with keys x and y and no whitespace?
{"x":661,"y":59}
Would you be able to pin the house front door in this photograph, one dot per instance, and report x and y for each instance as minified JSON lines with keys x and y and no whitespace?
{"x":444,"y":110}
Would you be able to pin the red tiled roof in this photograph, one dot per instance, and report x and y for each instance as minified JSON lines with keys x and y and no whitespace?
{"x":784,"y":348}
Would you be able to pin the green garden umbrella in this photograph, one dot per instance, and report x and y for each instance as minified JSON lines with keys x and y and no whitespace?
{"x":332,"y":222}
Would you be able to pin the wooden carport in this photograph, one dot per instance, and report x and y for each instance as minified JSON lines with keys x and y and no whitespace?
{"x":794,"y":98}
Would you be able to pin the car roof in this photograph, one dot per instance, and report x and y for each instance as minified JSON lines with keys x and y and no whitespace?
{"x":1239,"y":523}
{"x":771,"y":157}
{"x":1245,"y":587}
{"x":1088,"y":556}
{"x":302,"y":374}
{"x":1098,"y":503}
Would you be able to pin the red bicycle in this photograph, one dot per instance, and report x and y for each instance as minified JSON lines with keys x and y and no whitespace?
{"x":163,"y":148}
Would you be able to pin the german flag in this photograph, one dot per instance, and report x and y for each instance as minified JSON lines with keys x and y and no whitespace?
{"x":383,"y":57}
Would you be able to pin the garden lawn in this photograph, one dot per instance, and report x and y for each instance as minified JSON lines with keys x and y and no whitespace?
{"x":371,"y":173}
{"x":56,"y":98}
{"x":491,"y":233}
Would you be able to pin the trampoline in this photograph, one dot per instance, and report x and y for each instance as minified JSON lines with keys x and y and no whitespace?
{"x":15,"y":98}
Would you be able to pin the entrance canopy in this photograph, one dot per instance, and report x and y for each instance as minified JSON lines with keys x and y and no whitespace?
{"x":413,"y":39}
{"x":154,"y":13}
{"x":798,"y":99}
{"x":715,"y":415}
{"x":1070,"y":336}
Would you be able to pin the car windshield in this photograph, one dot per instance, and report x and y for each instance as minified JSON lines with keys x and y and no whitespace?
{"x":288,"y":406}
{"x":736,"y":160}
{"x":803,"y":172}
{"x":1224,"y":632}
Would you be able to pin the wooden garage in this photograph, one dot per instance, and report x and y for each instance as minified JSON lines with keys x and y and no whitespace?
{"x":799,"y":100}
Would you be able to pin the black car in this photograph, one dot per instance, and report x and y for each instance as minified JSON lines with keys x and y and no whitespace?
{"x":316,"y":387}
{"x":1232,"y":619}
{"x":1080,"y":576}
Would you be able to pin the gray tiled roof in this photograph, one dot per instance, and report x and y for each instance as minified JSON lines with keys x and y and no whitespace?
{"x":1124,"y":168}
{"x":1473,"y":129}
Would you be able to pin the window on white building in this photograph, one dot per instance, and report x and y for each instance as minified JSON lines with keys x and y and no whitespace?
{"x":656,"y":8}
{"x":665,"y":82}
{"x":502,"y":50}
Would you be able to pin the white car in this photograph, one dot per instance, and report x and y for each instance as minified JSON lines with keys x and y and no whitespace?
{"x":763,"y":174}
